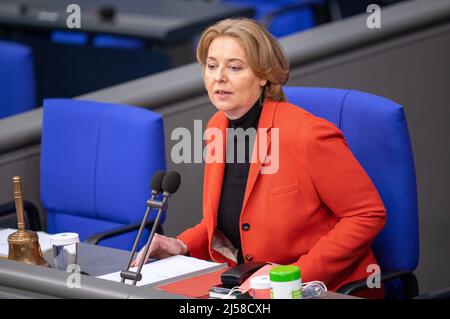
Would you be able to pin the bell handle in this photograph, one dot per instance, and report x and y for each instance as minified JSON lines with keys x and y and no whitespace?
{"x":18,"y":200}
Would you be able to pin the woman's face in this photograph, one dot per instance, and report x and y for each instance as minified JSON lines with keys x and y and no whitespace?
{"x":231,"y":84}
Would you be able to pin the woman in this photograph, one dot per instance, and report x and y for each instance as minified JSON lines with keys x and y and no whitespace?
{"x":319,"y":210}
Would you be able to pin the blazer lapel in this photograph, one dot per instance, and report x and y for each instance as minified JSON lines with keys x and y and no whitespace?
{"x":258,"y":157}
{"x":215,"y":171}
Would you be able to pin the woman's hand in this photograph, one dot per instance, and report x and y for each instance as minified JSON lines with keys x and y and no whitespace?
{"x":161,"y":247}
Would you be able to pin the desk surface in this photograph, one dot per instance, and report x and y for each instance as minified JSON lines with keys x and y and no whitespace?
{"x":19,"y":280}
{"x":97,"y":260}
{"x":164,"y":21}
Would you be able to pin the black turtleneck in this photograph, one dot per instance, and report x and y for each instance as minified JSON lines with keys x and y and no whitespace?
{"x":235,"y":179}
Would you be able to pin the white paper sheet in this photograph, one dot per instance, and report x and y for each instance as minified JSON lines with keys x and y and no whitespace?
{"x":164,"y":269}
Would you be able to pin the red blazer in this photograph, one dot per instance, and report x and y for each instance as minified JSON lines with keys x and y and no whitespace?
{"x":319,"y":211}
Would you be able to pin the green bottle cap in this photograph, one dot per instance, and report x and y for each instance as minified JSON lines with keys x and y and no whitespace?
{"x":284,"y":273}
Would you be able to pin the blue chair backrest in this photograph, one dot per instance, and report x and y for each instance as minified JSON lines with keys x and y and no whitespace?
{"x":72,"y":38}
{"x":97,"y":161}
{"x":114,"y":41}
{"x":17,"y":93}
{"x":377,"y":133}
{"x":98,"y":41}
{"x":286,"y":22}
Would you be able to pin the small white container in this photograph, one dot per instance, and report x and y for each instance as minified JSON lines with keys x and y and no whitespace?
{"x":65,"y":249}
{"x":260,"y":287}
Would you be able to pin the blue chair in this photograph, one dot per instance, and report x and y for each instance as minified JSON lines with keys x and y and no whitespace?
{"x":98,"y":41}
{"x":97,"y":161}
{"x":283,"y":17}
{"x":17,"y":93}
{"x":114,"y":41}
{"x":72,"y":38}
{"x":377,"y":133}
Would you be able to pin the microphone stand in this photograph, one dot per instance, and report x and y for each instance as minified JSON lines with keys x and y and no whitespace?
{"x":151,"y":203}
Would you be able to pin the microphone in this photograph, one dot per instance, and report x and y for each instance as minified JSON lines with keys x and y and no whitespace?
{"x":156,"y":183}
{"x":156,"y":188}
{"x":170,"y":184}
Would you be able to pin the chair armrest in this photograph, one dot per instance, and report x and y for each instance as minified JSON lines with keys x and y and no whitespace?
{"x":30,"y":210}
{"x":443,"y":293}
{"x":409,"y":282}
{"x":96,"y":238}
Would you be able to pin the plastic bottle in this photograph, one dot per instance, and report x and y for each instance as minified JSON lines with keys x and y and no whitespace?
{"x":285,"y":282}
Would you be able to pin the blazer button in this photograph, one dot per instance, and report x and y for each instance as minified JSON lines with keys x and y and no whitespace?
{"x":245,"y":227}
{"x":248,"y":257}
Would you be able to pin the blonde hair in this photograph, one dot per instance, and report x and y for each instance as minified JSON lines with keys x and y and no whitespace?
{"x":265,"y":55}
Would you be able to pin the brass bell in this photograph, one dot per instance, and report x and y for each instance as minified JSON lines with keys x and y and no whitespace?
{"x":23,"y":244}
